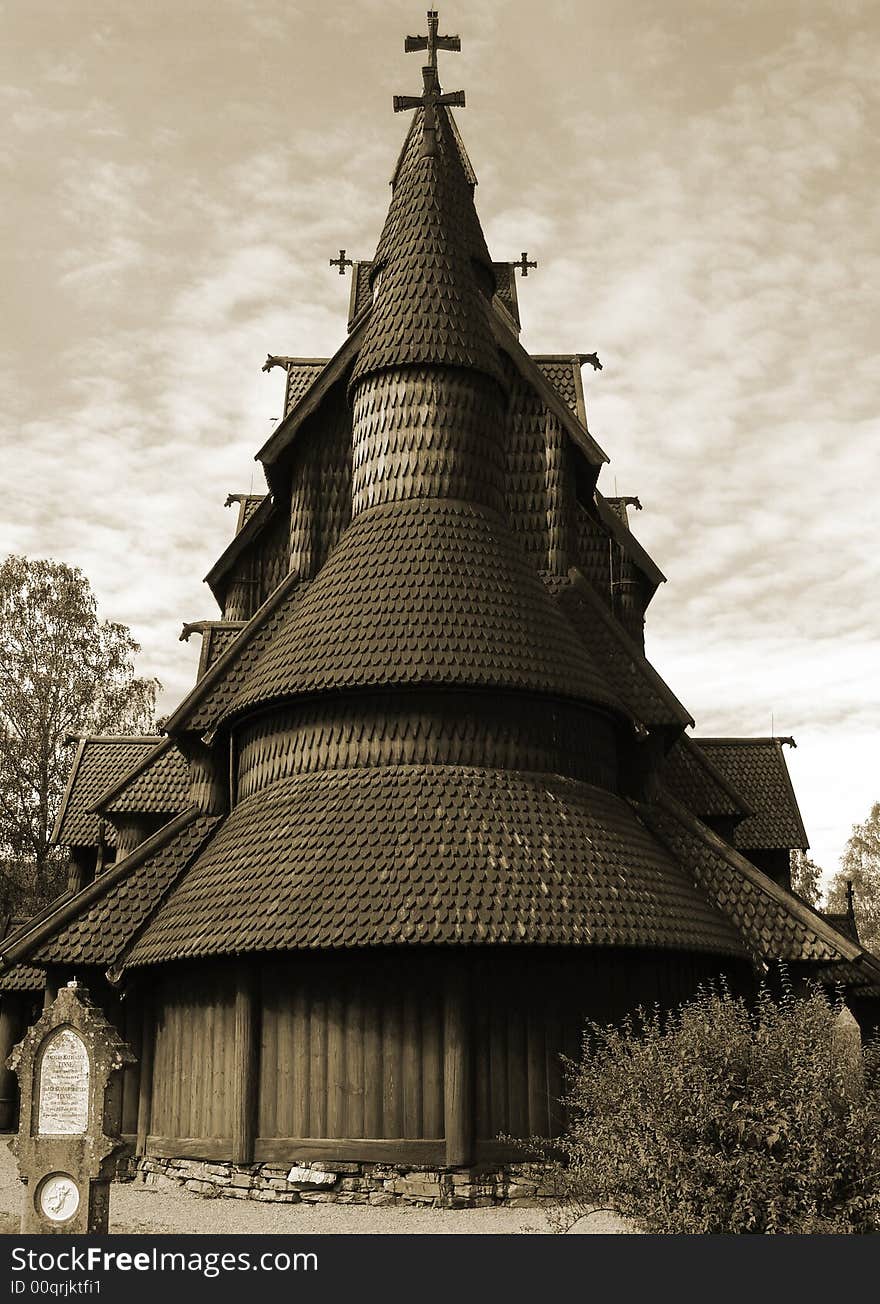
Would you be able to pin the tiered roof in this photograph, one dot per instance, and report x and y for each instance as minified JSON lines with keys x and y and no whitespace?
{"x":447,"y":594}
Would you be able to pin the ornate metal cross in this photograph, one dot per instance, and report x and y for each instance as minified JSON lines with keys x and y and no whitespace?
{"x":341,"y":262}
{"x":432,"y":42}
{"x":432,"y":96}
{"x":523,"y":265}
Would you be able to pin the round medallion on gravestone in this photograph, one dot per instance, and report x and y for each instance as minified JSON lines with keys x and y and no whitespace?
{"x":58,"y":1197}
{"x":63,"y":1090}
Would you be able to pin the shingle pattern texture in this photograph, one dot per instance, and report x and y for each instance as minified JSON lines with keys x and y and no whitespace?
{"x":623,"y":666}
{"x":757,"y":769}
{"x":692,"y":782}
{"x":99,"y":933}
{"x":103,"y":763}
{"x":429,"y":305}
{"x":425,"y":591}
{"x":771,"y":928}
{"x":505,"y":289}
{"x":23,"y":978}
{"x":427,"y":432}
{"x":162,"y":786}
{"x":259,"y":569}
{"x":431,"y":854}
{"x":300,"y":378}
{"x":219,"y":639}
{"x":244,"y":653}
{"x":248,"y":507}
{"x":560,"y":373}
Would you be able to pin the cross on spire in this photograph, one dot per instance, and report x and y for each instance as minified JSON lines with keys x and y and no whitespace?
{"x":341,"y":262}
{"x":432,"y":96}
{"x":432,"y":42}
{"x":523,"y":264}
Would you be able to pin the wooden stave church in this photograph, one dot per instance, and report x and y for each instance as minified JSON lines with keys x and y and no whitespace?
{"x":428,"y":807}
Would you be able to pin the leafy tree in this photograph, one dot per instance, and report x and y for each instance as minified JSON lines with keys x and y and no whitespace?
{"x":806,"y":877}
{"x":62,"y":671}
{"x":860,"y":862}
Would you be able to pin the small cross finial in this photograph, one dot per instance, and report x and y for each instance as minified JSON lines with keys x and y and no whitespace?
{"x":431,"y":97}
{"x":523,"y":264}
{"x":341,"y":262}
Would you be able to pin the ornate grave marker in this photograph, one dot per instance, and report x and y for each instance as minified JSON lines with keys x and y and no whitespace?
{"x":71,"y":1096}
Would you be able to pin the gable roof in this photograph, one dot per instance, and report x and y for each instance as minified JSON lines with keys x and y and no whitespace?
{"x":756,"y":767}
{"x":422,"y":854}
{"x":100,"y":760}
{"x":249,"y":530}
{"x":159,"y":782}
{"x":204,"y":705}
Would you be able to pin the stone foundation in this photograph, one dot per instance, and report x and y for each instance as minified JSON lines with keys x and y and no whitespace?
{"x":514,"y":1186}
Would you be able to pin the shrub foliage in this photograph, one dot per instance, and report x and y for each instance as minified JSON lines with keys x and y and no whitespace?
{"x":723,"y":1117}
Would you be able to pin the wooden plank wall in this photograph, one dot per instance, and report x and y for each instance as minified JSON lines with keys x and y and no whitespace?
{"x":193,"y":1056}
{"x":351,"y":1046}
{"x":351,"y":1049}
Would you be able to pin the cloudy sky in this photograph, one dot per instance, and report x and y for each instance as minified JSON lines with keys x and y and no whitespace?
{"x":697,"y":180}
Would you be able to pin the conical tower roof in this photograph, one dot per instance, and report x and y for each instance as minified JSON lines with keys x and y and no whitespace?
{"x":432,"y":274}
{"x":429,"y":585}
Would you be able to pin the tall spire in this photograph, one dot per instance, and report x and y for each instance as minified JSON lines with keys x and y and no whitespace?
{"x":432,"y":275}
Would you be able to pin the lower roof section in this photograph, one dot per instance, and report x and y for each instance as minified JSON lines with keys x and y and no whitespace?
{"x":425,"y":591}
{"x":431,"y":854}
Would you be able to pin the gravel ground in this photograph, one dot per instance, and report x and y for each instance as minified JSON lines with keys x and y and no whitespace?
{"x":136,"y":1208}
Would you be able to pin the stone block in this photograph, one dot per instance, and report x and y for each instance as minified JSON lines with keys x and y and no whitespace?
{"x":381,"y":1199}
{"x":310,"y":1176}
{"x":419,"y":1187}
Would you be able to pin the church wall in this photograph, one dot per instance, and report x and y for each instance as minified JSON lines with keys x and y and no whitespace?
{"x":192,"y":1069}
{"x":355,"y":1054}
{"x":425,"y":728}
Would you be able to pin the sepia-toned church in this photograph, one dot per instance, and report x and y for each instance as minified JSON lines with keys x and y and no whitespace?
{"x":428,"y":807}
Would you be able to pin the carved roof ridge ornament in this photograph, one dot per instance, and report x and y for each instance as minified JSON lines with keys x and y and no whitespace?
{"x":432,"y":96}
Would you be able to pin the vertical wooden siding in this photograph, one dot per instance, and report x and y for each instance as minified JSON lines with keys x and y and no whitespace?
{"x":350,"y":1049}
{"x":193,"y":1058}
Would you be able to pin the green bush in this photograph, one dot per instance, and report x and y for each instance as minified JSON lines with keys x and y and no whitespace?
{"x":723,"y":1117}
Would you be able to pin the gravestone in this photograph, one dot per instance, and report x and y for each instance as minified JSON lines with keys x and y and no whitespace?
{"x":68,"y":1068}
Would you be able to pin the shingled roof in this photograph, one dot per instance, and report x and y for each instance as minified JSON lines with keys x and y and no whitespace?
{"x":425,"y":591}
{"x":431,"y":854}
{"x":756,"y":767}
{"x":430,"y":305}
{"x":92,"y":926}
{"x":624,"y":666}
{"x":693,"y":778}
{"x":100,"y":761}
{"x":776,"y":923}
{"x":100,"y":929}
{"x":158,"y":783}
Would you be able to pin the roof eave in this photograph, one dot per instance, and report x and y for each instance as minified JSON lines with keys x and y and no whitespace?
{"x":285,"y":432}
{"x":16,"y":949}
